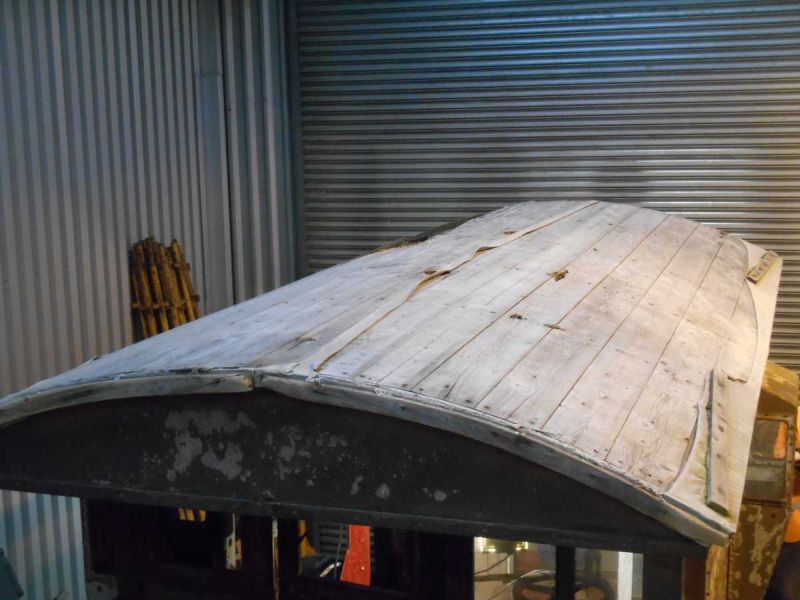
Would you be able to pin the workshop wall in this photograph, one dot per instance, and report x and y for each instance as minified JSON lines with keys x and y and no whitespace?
{"x":120,"y":120}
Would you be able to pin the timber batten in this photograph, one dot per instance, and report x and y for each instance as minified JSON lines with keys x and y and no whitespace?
{"x":579,"y":336}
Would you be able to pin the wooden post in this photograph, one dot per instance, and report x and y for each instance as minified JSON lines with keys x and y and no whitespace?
{"x":184,"y":281}
{"x":145,"y":294}
{"x":158,"y":295}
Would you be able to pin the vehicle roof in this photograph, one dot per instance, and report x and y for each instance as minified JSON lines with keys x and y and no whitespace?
{"x":601,"y":340}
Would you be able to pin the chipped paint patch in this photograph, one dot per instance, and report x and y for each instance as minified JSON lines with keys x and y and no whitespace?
{"x":187,"y":449}
{"x":438,"y":495}
{"x":383,"y":492}
{"x":190,"y":427}
{"x":229,"y":464}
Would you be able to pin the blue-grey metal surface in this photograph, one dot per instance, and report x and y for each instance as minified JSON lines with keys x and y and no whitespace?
{"x":113,"y":127}
{"x":97,"y":149}
{"x":42,"y":539}
{"x":9,"y":585}
{"x":261,"y":211}
{"x":416,"y":112}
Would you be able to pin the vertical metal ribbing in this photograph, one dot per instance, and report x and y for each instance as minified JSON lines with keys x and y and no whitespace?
{"x":190,"y":134}
{"x":234,"y":159}
{"x":98,"y":148}
{"x":255,"y":159}
{"x":281,"y":201}
{"x":255,"y":110}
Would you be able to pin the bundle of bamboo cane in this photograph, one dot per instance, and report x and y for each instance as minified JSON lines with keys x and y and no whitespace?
{"x":162,"y":294}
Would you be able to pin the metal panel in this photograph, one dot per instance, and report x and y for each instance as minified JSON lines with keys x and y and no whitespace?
{"x":417,"y":112}
{"x":97,"y":150}
{"x":43,"y":538}
{"x":260,"y":203}
{"x":113,"y":126}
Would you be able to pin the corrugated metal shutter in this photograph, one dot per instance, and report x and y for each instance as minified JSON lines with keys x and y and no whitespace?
{"x":414,"y":112}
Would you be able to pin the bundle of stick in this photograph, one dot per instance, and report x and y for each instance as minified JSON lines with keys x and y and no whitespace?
{"x":162,"y":294}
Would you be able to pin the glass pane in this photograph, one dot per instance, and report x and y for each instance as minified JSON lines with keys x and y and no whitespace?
{"x":605,"y":574}
{"x":766,"y":470}
{"x":506,"y":570}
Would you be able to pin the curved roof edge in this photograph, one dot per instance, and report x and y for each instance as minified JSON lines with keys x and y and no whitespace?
{"x":398,"y":403}
{"x":683,"y":505}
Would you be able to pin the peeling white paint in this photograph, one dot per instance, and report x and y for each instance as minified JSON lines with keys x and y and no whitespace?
{"x":229,"y":464}
{"x":287,"y":452}
{"x":187,"y":449}
{"x":190,"y":425}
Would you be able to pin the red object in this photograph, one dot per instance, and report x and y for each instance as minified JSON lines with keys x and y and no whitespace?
{"x":356,"y":567}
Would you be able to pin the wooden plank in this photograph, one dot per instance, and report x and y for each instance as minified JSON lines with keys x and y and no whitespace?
{"x":653,"y":442}
{"x":657,"y":463}
{"x":474,"y":285}
{"x":309,"y":342}
{"x":389,"y":276}
{"x":594,"y":411}
{"x":200,"y":345}
{"x":742,"y":404}
{"x":429,"y":346}
{"x":438,"y":339}
{"x":535,"y":387}
{"x":717,"y":496}
{"x":764,"y":264}
{"x":470,"y":373}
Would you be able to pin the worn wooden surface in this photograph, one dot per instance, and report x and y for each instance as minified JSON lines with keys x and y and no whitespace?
{"x":579,"y":335}
{"x":742,"y":570}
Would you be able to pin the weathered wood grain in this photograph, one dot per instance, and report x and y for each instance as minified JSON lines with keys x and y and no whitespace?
{"x":483,"y":361}
{"x":658,"y":431}
{"x":621,"y":369}
{"x":717,"y":491}
{"x":535,"y":387}
{"x":578,"y":335}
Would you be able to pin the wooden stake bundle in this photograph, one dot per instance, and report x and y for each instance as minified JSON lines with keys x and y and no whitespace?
{"x":162,"y":294}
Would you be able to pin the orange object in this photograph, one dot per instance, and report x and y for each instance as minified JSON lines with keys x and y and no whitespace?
{"x":357,"y":568}
{"x":793,"y":530}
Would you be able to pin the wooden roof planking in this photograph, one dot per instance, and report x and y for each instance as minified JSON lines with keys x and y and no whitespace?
{"x":601,"y":340}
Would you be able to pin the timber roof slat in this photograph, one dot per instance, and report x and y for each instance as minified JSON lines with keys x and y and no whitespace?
{"x":579,"y":335}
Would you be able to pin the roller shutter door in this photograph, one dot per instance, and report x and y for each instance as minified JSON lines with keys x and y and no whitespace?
{"x":411,"y":113}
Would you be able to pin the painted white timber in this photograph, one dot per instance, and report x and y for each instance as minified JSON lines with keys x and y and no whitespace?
{"x":580,"y":336}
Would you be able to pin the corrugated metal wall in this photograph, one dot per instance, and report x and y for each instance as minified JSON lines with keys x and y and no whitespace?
{"x":416,"y":112}
{"x":97,"y":149}
{"x":113,"y":127}
{"x":43,"y":537}
{"x":261,"y":209}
